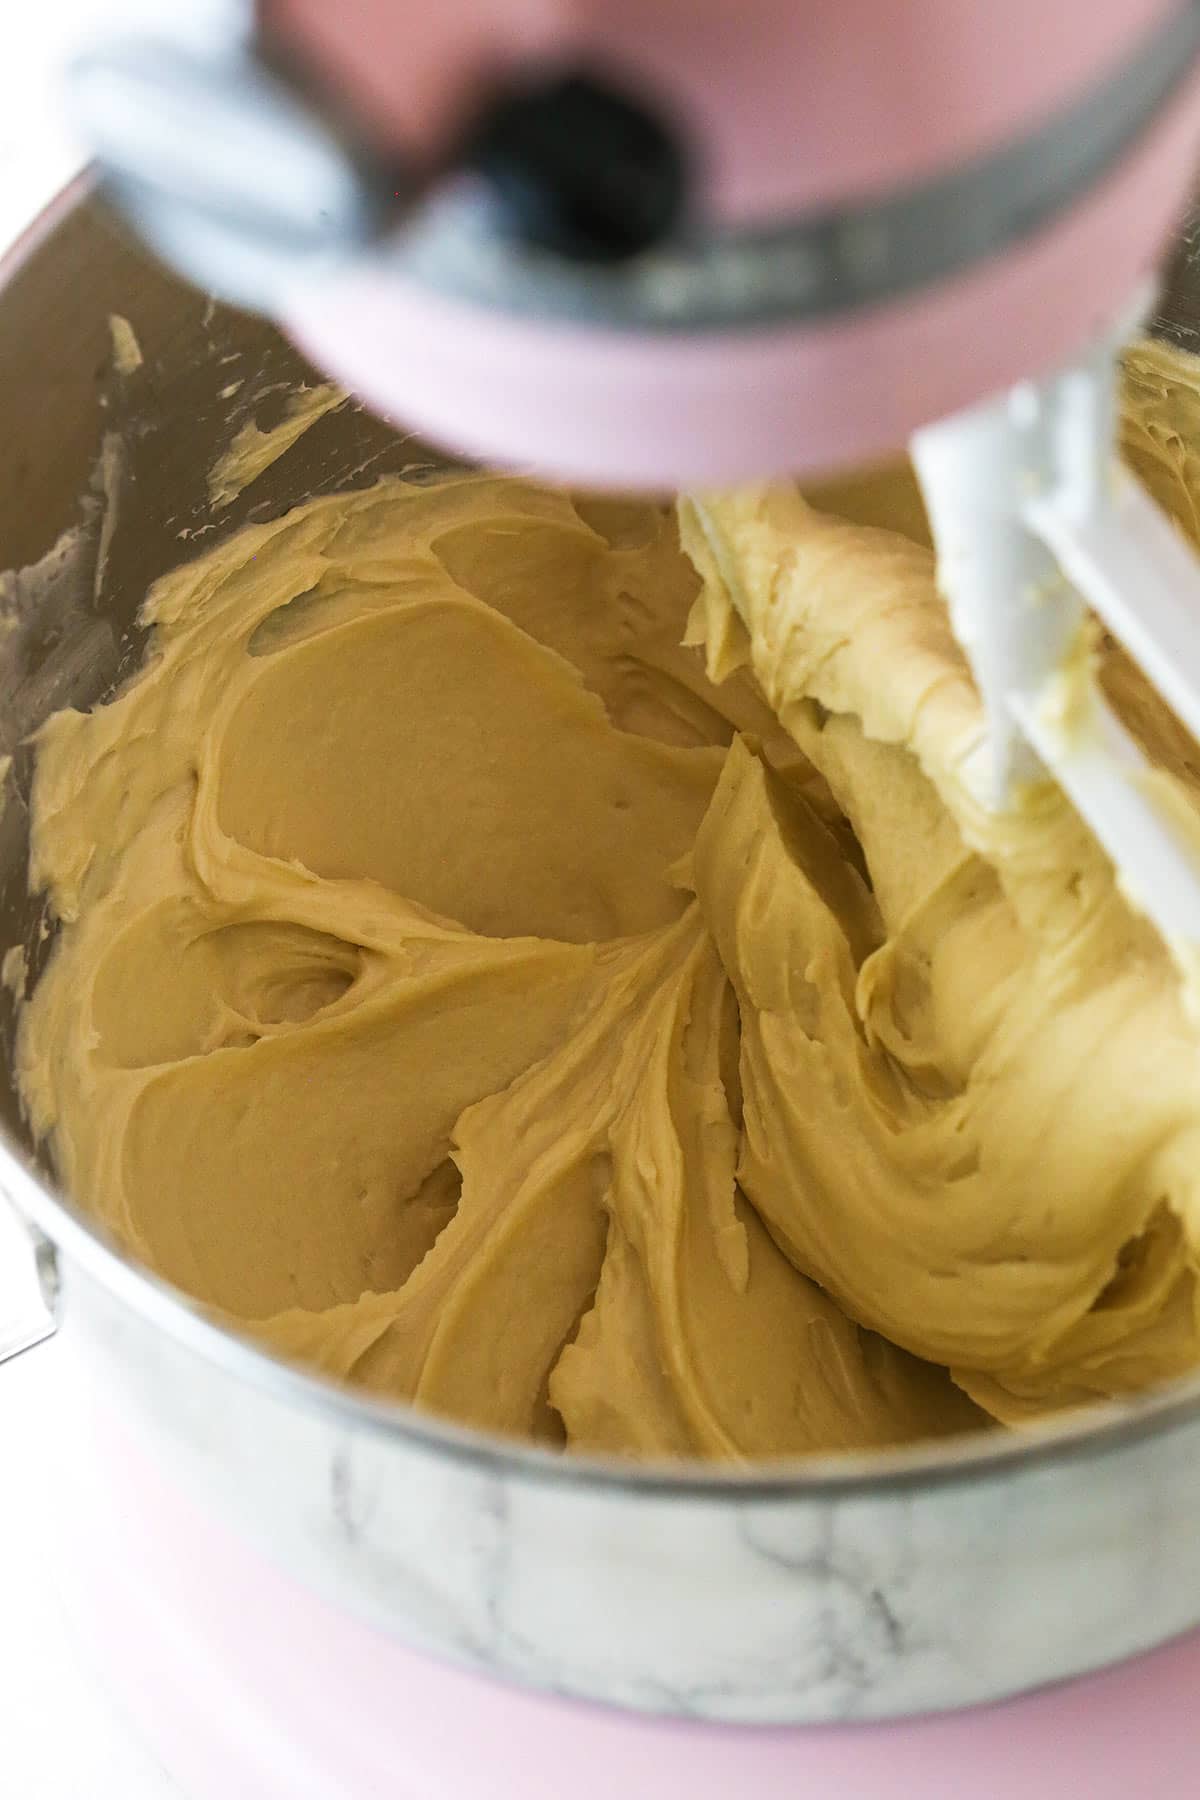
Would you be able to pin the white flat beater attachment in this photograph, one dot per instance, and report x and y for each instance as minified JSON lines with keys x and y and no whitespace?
{"x":1034,"y":522}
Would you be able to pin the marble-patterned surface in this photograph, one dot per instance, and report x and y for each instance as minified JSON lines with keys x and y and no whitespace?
{"x":765,"y":1607}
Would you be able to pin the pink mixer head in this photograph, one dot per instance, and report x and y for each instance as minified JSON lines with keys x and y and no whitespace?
{"x":672,"y":241}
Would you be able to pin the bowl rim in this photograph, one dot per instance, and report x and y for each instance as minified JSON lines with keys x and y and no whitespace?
{"x":1086,"y":1433}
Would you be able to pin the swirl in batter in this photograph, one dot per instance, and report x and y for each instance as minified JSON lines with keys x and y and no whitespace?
{"x":469,"y":988}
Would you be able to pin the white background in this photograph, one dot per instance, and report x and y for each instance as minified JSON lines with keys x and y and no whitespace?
{"x":60,"y":1739}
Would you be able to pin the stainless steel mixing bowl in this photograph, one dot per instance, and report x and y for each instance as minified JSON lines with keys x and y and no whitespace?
{"x":850,"y":1588}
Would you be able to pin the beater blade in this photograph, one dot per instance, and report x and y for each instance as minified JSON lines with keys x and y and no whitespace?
{"x":1034,"y":524}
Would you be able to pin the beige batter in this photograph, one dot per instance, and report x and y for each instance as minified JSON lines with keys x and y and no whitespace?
{"x":468,"y":989}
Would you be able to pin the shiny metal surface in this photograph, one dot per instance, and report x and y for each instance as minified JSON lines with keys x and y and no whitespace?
{"x":843,"y":1588}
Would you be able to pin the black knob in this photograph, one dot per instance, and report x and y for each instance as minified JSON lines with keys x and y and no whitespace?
{"x":578,"y":169}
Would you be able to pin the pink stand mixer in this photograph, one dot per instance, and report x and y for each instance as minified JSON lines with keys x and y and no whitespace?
{"x":685,"y":243}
